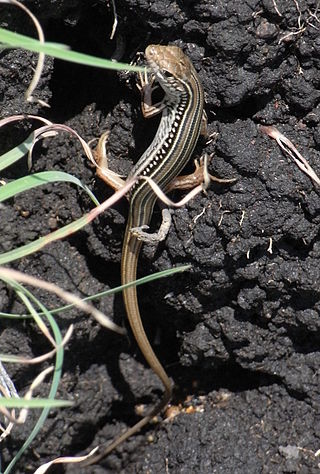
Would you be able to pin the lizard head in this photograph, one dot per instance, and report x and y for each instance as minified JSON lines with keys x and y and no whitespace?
{"x":169,"y":64}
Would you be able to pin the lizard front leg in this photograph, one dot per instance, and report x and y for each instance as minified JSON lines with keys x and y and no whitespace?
{"x":111,"y":178}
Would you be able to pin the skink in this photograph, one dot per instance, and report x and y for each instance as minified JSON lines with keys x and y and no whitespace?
{"x":183,"y":118}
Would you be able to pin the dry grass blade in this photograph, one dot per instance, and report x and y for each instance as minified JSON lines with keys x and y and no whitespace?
{"x":67,"y":230}
{"x":65,"y":295}
{"x":6,"y":382}
{"x":55,"y":127}
{"x":276,"y":7}
{"x":115,"y":21}
{"x":168,"y":202}
{"x":42,"y":358}
{"x":288,"y":147}
{"x":40,"y":63}
{"x":9,"y":390}
{"x":24,"y":411}
{"x":16,"y":118}
{"x":7,"y":430}
{"x":67,"y":459}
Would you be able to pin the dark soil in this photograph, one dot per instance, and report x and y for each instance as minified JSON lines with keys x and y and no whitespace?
{"x":240,"y":332}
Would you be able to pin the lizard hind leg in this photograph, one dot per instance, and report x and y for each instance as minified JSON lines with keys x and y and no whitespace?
{"x":140,"y":234}
{"x":199,"y":176}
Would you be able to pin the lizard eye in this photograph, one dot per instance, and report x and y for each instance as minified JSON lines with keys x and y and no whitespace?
{"x":166,"y":74}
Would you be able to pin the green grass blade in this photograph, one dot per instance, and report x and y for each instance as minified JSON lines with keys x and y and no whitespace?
{"x":14,"y":316}
{"x":140,"y":281}
{"x":55,"y":380}
{"x":38,"y":244}
{"x":118,"y":289}
{"x":34,"y":403}
{"x":32,"y":181}
{"x":16,"y":40}
{"x":16,"y":153}
{"x":66,"y":230}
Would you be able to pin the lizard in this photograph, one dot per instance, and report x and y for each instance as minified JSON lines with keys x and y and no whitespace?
{"x":183,"y":120}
